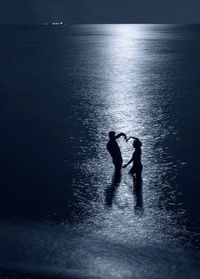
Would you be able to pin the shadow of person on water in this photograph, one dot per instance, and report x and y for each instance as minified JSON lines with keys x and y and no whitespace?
{"x":110,"y":191}
{"x":137,"y":192}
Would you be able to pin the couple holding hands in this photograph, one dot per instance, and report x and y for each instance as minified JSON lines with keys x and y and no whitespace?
{"x":114,"y":150}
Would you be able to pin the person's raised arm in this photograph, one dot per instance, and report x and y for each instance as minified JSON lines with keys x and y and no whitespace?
{"x":132,"y":138}
{"x":120,"y":135}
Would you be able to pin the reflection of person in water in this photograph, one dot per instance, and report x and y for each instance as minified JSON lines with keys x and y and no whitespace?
{"x":110,"y":191}
{"x":114,"y":150}
{"x":136,"y":171}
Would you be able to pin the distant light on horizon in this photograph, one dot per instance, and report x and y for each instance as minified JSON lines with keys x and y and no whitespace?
{"x":57,"y":23}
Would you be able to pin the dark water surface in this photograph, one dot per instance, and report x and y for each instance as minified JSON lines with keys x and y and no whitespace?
{"x":62,"y":89}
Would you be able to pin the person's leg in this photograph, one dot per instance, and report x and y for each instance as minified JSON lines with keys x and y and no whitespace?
{"x":117,"y":174}
{"x":138,"y":189}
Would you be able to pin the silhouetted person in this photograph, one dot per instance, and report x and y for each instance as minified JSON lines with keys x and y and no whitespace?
{"x":114,"y":150}
{"x":136,"y":172}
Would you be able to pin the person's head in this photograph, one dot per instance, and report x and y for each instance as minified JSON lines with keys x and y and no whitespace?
{"x":137,"y":144}
{"x":111,"y":134}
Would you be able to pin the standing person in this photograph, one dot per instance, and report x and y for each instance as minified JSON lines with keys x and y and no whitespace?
{"x":114,"y":150}
{"x":136,"y":172}
{"x":136,"y":158}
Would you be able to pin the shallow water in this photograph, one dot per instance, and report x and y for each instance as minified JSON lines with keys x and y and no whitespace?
{"x":63,"y":89}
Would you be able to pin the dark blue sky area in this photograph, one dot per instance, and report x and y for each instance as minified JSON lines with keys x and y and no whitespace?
{"x":100,"y":11}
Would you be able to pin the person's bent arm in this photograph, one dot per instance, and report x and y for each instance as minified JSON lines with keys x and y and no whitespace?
{"x":132,"y":138}
{"x":120,"y":135}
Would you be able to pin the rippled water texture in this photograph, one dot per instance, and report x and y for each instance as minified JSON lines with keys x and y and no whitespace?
{"x":71,"y":87}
